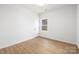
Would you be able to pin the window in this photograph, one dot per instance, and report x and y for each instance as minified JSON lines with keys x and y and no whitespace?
{"x":44,"y":24}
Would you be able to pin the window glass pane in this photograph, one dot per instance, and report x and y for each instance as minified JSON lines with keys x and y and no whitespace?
{"x":44,"y":28}
{"x":44,"y":22}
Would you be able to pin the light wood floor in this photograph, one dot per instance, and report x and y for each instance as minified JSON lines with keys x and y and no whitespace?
{"x":40,"y":45}
{"x":78,"y":51}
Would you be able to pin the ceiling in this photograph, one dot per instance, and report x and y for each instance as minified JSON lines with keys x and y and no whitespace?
{"x":47,"y":7}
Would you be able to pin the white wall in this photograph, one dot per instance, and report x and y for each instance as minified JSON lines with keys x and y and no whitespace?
{"x":16,"y":23}
{"x":78,"y":25}
{"x":61,"y":24}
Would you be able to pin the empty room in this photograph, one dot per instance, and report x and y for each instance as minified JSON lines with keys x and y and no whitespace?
{"x":39,"y":29}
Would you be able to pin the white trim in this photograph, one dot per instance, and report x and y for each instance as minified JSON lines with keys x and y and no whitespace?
{"x":29,"y":38}
{"x":58,"y":39}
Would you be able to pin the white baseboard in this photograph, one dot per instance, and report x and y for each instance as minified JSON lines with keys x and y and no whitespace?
{"x":58,"y":39}
{"x":31,"y":37}
{"x":22,"y":40}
